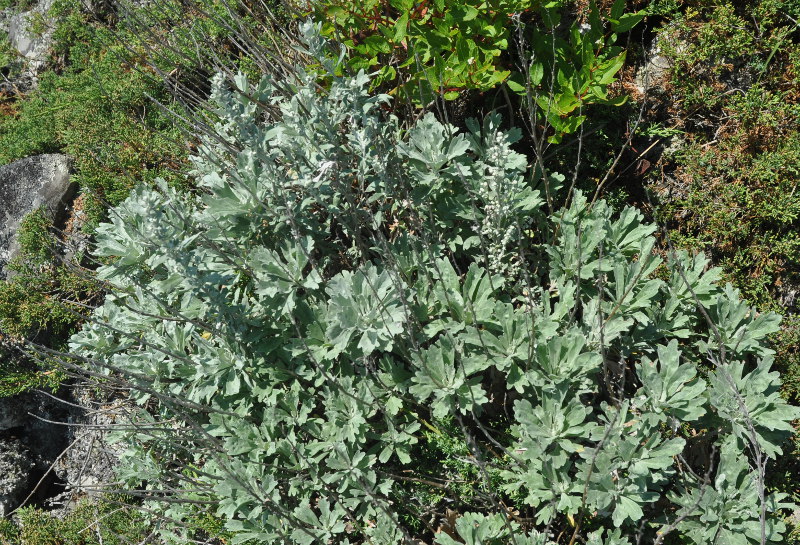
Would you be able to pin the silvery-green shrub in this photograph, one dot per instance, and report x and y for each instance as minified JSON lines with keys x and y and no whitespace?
{"x":337,"y":289}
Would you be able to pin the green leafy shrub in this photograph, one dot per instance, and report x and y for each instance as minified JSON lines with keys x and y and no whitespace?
{"x":565,"y":74}
{"x":42,"y":300}
{"x":424,"y":49}
{"x":44,"y":294}
{"x":431,"y":47}
{"x":337,"y":289}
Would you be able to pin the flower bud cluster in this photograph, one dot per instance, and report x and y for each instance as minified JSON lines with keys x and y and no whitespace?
{"x":499,"y":189}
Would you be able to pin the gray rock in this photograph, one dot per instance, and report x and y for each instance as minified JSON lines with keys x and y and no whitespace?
{"x":40,"y":422}
{"x":33,"y":43}
{"x":64,"y":438}
{"x":652,"y":73}
{"x":30,"y":33}
{"x":651,"y":76}
{"x":15,"y":474}
{"x":34,"y":433}
{"x":14,"y":411}
{"x":787,"y":296}
{"x":27,"y":184}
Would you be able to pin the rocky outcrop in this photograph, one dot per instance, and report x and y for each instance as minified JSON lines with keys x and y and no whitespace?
{"x":30,"y":33}
{"x":32,"y":439}
{"x":61,"y":440}
{"x":55,"y":451}
{"x":15,"y":474}
{"x":28,"y":184}
{"x":14,"y":411}
{"x":653,"y":72}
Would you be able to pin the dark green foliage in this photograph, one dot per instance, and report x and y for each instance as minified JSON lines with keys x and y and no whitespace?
{"x":566,"y":72}
{"x":423,"y":48}
{"x":43,"y":300}
{"x":737,"y":200}
{"x":95,"y":109}
{"x":97,"y":522}
{"x":444,"y":475}
{"x":556,"y":62}
{"x":44,"y":295}
{"x":17,"y":376}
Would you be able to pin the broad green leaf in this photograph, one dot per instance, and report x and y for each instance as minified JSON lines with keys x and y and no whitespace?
{"x":627,"y":22}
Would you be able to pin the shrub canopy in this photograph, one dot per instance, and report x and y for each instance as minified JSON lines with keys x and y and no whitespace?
{"x":350,"y":330}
